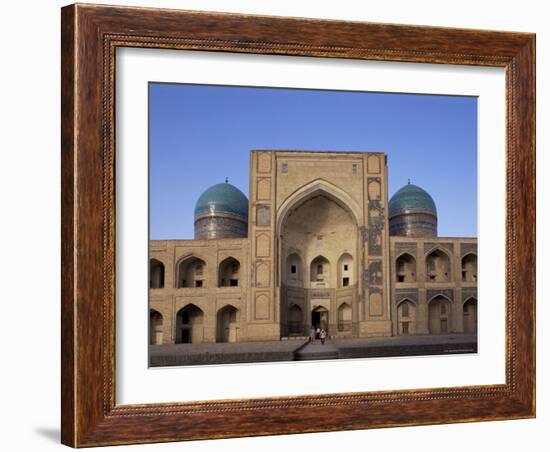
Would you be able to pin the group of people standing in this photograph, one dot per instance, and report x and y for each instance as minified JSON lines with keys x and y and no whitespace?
{"x":317,"y":332}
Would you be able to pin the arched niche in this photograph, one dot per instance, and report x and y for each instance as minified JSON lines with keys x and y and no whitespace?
{"x":346,"y":276}
{"x":318,"y":218}
{"x":226,"y":324}
{"x":439,"y":315}
{"x":438,"y":266}
{"x":344,"y":318}
{"x":295,"y":322}
{"x":406,"y":317}
{"x":189,"y":325}
{"x":469,"y":314}
{"x":191,"y":272}
{"x":155,"y":327}
{"x":229,"y":272}
{"x":156,"y":274}
{"x":405,"y":268}
{"x":469,"y":268}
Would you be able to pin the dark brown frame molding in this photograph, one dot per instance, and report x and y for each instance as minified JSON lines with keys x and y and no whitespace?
{"x":90,"y":34}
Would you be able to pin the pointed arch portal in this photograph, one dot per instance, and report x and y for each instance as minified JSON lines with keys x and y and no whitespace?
{"x":315,"y":188}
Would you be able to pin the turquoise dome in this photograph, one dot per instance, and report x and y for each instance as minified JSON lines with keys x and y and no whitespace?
{"x":411,"y":197}
{"x":223,"y":198}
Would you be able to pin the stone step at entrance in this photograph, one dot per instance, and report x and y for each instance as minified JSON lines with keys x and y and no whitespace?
{"x":316,"y":351}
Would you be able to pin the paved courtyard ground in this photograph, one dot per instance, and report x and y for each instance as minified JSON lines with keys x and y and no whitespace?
{"x":301,"y":350}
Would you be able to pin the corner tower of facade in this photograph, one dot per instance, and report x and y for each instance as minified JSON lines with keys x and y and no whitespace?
{"x":412,"y":213}
{"x":221,"y":212}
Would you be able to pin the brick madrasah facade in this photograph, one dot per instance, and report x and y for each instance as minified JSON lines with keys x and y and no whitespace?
{"x":317,"y":243}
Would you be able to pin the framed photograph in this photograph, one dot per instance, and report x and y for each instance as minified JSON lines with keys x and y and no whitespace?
{"x":282,"y":225}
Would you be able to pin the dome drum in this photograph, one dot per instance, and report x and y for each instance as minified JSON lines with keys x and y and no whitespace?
{"x":220,"y":226}
{"x":414,"y":224}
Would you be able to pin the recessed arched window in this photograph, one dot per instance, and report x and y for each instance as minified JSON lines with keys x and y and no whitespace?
{"x":191,"y":272}
{"x":405,"y":268}
{"x":469,"y":268}
{"x":320,"y":272}
{"x":228,"y":273}
{"x":438,"y":266}
{"x":345,"y":270}
{"x":156,"y":274}
{"x":294,"y":271}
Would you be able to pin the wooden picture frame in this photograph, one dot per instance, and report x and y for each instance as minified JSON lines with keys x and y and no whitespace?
{"x":90,"y":36}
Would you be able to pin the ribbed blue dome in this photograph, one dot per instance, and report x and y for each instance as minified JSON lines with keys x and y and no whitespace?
{"x":411,"y":197}
{"x":224,"y":198}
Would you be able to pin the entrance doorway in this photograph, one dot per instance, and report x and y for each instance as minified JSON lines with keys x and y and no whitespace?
{"x":319,"y":318}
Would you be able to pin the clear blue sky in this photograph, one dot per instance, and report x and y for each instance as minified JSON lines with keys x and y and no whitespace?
{"x":200,"y":134}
